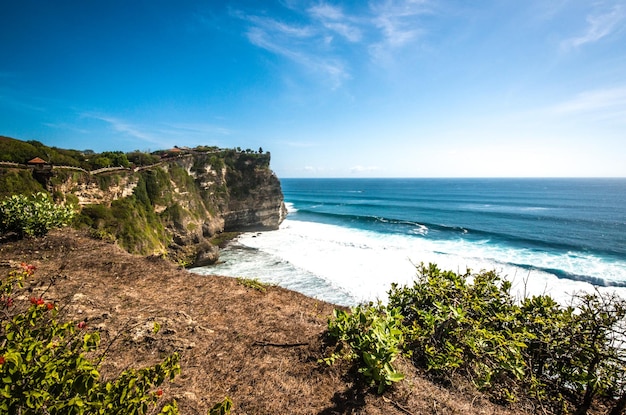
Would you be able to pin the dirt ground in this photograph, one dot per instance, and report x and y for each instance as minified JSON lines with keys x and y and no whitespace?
{"x":261,"y":349}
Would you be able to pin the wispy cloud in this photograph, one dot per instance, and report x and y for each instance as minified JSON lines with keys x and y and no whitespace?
{"x":599,"y":25}
{"x":397,"y":23}
{"x":325,"y":33}
{"x":608,"y":103}
{"x":163,"y":134}
{"x":124,"y":127}
{"x":286,"y":40}
{"x":333,"y":18}
{"x":280,"y":28}
{"x":363,"y":169}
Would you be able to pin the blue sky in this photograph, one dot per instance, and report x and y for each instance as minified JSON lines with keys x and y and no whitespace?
{"x":423,"y":88}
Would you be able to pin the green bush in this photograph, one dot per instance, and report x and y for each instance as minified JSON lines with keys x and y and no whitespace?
{"x":449,"y":324}
{"x":44,"y":368}
{"x":14,"y":181}
{"x":464,"y":323}
{"x":33,"y":215}
{"x":372,"y":336}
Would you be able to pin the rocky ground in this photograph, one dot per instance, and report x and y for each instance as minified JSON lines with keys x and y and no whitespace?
{"x":261,"y":349}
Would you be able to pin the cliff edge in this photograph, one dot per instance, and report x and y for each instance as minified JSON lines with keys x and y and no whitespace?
{"x":177,"y":203}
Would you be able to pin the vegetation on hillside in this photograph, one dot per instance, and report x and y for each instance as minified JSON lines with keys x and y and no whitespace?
{"x":143,"y":222}
{"x":17,"y":151}
{"x":48,"y":366}
{"x":33,"y":215}
{"x":560,"y":359}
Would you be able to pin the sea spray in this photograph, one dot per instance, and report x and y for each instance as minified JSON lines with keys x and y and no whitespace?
{"x":346,"y":241}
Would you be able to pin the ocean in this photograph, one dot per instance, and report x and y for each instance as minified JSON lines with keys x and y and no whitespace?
{"x":347,"y":240}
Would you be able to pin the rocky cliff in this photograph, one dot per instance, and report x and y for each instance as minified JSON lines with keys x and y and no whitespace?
{"x":180,"y":206}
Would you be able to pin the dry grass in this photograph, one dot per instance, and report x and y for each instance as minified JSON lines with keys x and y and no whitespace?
{"x":229,"y":336}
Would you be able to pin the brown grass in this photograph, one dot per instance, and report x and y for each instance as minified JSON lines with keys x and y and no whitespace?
{"x":229,"y":336}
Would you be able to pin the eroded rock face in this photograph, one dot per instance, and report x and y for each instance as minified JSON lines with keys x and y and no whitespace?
{"x":207,"y":254}
{"x":91,"y":190}
{"x":260,"y":208}
{"x":193,"y":197}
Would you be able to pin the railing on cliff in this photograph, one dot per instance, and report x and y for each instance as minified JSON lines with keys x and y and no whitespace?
{"x":188,"y":153}
{"x":12,"y":164}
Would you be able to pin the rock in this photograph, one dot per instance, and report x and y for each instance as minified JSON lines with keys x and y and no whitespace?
{"x":181,"y":202}
{"x":208,"y":254}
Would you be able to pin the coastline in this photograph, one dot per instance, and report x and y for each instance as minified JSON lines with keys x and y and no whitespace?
{"x":362,"y":270}
{"x":221,"y":329}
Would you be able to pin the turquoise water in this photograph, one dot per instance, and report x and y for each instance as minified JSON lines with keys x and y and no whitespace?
{"x":346,"y":240}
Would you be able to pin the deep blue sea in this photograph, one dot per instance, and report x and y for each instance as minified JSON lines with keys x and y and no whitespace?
{"x":347,"y":240}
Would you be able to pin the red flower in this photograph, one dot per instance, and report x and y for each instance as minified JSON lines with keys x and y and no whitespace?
{"x":2,"y":360}
{"x":159,"y":393}
{"x":82,"y":325}
{"x":37,"y":301}
{"x":29,"y":269}
{"x":50,"y":306}
{"x":9,"y":302}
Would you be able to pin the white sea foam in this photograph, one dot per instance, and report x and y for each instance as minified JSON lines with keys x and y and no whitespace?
{"x":290,"y":207}
{"x":347,"y":266}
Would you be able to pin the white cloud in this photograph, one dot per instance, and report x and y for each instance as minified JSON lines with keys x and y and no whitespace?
{"x":333,"y":18}
{"x":397,"y":23}
{"x":332,"y":68}
{"x":595,"y":100}
{"x":162,"y":134}
{"x":350,"y":32}
{"x":123,"y":127}
{"x":363,"y":169}
{"x":326,"y":11}
{"x":599,"y":26}
{"x":284,"y":29}
{"x":314,"y":43}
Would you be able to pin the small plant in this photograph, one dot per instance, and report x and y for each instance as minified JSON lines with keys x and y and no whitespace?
{"x":33,"y":215}
{"x":222,"y":408}
{"x":253,"y":283}
{"x":373,"y":337}
{"x":44,"y":366}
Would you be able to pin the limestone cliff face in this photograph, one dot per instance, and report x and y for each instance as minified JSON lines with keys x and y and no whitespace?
{"x":177,"y":207}
{"x":256,"y":199}
{"x":104,"y":190}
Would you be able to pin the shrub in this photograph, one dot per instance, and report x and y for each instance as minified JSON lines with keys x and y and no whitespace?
{"x":253,"y":283}
{"x":14,"y":181}
{"x":44,"y":368}
{"x":463,"y":323}
{"x":373,"y":336}
{"x":468,"y":324}
{"x":33,"y":215}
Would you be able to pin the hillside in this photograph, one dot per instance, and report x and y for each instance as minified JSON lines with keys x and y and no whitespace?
{"x":175,"y":203}
{"x":229,"y":336}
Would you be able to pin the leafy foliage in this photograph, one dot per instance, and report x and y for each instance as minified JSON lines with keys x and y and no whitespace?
{"x":33,"y":215}
{"x":14,"y":181}
{"x":253,"y":283}
{"x":373,"y":337}
{"x":454,"y":325}
{"x":44,"y":368}
{"x":222,"y":408}
{"x":451,"y":324}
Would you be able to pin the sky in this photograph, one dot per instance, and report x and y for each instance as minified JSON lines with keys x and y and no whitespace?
{"x":390,"y":88}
